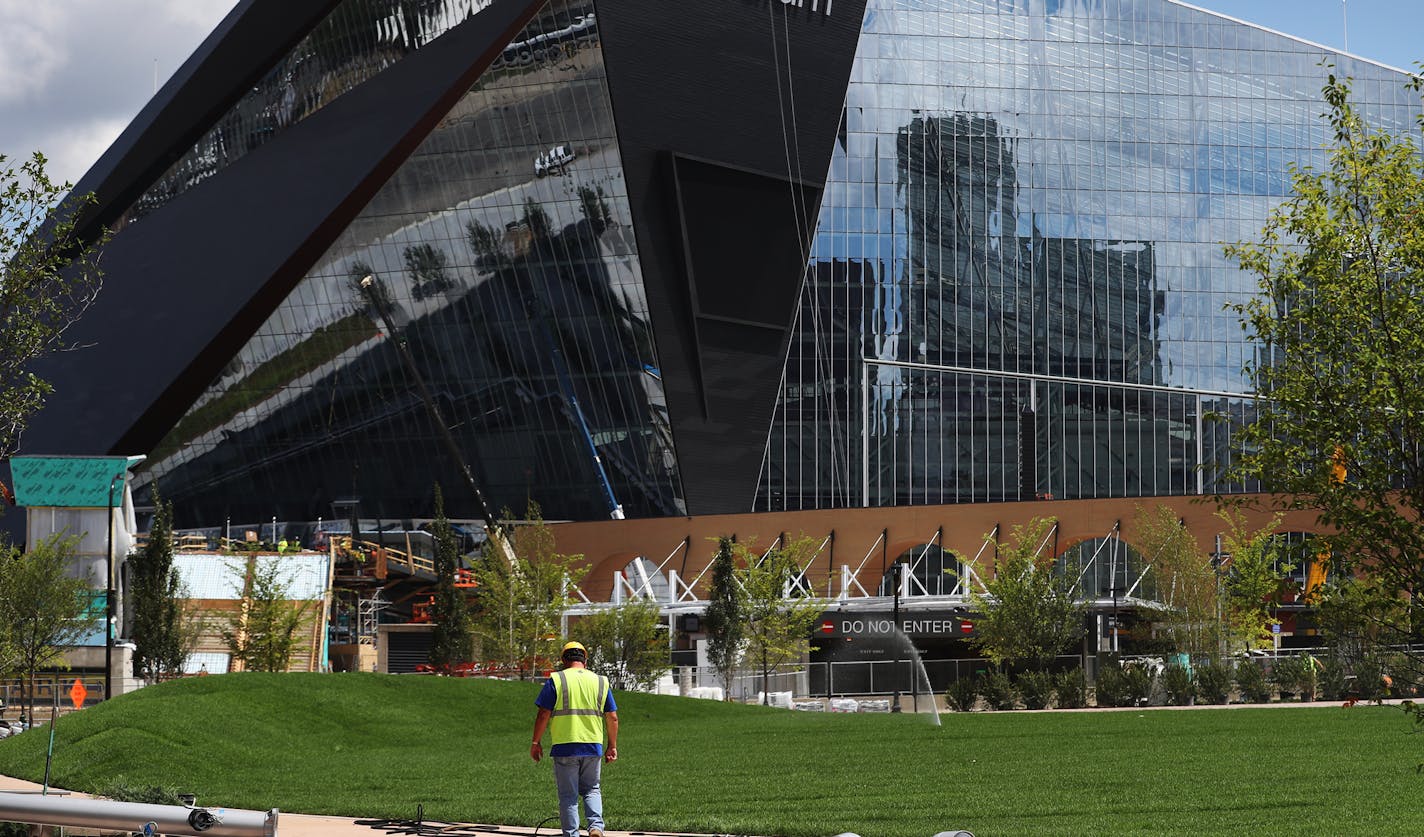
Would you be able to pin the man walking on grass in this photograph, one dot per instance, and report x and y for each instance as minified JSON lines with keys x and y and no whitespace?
{"x":577,"y":708}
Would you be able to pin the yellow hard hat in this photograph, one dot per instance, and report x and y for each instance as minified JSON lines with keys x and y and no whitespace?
{"x":573,"y":646}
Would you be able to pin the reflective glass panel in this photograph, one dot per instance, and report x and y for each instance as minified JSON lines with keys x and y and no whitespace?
{"x":353,"y":43}
{"x":1018,"y":288}
{"x":493,"y":281}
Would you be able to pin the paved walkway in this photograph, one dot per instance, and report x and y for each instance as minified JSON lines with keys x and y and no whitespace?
{"x":307,"y":825}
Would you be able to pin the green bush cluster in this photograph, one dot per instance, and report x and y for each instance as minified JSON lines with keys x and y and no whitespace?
{"x":1296,"y":676}
{"x":1036,"y":689}
{"x":1252,"y":683}
{"x":999,"y":691}
{"x":1181,"y":688}
{"x":1071,"y":689}
{"x":1213,"y":681}
{"x":1123,"y":685}
{"x":963,"y":694}
{"x":1031,"y":689}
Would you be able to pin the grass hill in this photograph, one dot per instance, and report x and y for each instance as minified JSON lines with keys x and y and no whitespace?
{"x":365,"y":745}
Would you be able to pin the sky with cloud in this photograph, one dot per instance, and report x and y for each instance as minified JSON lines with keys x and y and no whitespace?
{"x":73,"y":73}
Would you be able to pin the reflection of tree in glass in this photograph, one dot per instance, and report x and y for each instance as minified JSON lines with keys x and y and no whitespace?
{"x":537,"y":219}
{"x":427,"y":264}
{"x":486,"y":243}
{"x":376,"y":292}
{"x":595,"y":207}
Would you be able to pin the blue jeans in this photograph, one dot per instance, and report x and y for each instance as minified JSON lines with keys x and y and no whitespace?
{"x":577,"y":778}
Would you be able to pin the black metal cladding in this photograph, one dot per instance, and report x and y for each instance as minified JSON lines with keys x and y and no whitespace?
{"x":755,"y":86}
{"x":191,"y":283}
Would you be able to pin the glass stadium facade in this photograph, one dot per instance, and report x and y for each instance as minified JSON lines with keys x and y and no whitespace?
{"x":1015,"y":287}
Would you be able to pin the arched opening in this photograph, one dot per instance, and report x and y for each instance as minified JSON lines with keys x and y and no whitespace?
{"x":932,"y":571}
{"x":1107,"y":568}
{"x":644,"y":581}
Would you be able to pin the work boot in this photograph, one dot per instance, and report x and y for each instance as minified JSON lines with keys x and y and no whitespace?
{"x":595,"y":832}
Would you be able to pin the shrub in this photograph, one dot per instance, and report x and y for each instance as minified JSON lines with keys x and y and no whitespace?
{"x":1252,"y":682}
{"x":1071,"y":689}
{"x":1214,"y":681}
{"x":1369,"y":678}
{"x":1177,"y":680}
{"x":1111,"y":686}
{"x":1334,"y":680}
{"x":1405,"y":673}
{"x":1123,"y":685}
{"x":1036,"y":688}
{"x":963,"y":694}
{"x":1296,"y":676}
{"x":999,"y":691}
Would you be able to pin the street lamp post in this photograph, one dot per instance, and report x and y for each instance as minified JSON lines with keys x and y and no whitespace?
{"x":1218,"y":566}
{"x":1115,"y":590}
{"x":898,"y":568}
{"x":109,"y":596}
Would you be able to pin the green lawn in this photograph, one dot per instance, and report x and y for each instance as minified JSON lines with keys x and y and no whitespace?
{"x":373,"y":745}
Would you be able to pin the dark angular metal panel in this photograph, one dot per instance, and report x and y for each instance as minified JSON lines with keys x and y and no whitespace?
{"x":750,"y":84}
{"x":190,"y":283}
{"x":253,"y":36}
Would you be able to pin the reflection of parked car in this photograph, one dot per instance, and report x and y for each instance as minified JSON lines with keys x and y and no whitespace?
{"x":553,"y":160}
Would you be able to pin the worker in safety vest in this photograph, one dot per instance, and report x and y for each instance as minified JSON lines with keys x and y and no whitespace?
{"x":577,"y":708}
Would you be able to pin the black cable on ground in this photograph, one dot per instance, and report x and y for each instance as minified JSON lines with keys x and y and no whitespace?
{"x":418,"y":827}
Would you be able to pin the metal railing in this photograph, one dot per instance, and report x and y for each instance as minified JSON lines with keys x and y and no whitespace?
{"x":52,"y":694}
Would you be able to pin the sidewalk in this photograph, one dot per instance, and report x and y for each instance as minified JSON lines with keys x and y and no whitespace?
{"x":307,"y":825}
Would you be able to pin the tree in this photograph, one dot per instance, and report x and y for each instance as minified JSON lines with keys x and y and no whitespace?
{"x":627,"y":643}
{"x":521,"y":601}
{"x":779,"y":612}
{"x":1252,"y":580}
{"x":725,"y":622}
{"x":43,"y":608}
{"x":451,"y":636}
{"x":49,"y":276}
{"x":262,"y":635}
{"x":162,"y":635}
{"x":1339,"y":322}
{"x":1187,"y":583}
{"x":1027,"y":613}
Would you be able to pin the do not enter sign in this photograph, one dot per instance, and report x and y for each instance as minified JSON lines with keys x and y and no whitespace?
{"x":77,"y":694}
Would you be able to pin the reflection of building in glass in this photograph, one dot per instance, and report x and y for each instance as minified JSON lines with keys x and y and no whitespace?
{"x":1017,"y":288}
{"x":948,"y":251}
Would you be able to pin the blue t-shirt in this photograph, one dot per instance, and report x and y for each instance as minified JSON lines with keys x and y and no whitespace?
{"x":546,"y":700}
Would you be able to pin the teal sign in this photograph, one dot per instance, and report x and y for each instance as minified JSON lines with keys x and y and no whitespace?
{"x":75,"y":482}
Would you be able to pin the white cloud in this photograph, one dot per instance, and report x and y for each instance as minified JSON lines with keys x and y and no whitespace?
{"x":75,"y":72}
{"x":31,"y":48}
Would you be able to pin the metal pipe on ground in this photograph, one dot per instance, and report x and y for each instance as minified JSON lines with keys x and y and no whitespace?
{"x":197,"y":821}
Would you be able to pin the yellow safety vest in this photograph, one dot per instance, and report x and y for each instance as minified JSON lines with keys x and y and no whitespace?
{"x":579,"y":697}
